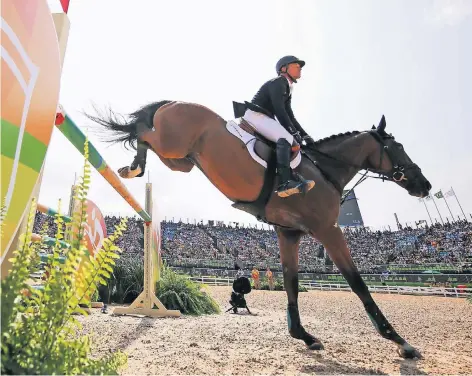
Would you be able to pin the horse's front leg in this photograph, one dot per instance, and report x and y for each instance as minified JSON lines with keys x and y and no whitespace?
{"x":137,"y":168}
{"x":337,"y":248}
{"x":288,"y":245}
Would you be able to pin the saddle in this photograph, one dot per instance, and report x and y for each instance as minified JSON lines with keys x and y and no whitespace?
{"x":263,"y":147}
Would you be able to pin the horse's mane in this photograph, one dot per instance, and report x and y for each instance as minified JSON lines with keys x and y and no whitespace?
{"x":335,"y":137}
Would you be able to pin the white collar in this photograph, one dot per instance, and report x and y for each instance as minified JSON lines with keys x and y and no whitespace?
{"x":290,"y":84}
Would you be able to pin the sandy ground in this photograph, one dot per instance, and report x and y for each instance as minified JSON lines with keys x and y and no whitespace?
{"x":441,"y":328}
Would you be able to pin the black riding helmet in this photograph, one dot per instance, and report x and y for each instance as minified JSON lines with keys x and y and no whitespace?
{"x":286,"y":60}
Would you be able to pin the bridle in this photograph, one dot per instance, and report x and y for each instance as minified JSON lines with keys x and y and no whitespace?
{"x":397,"y":174}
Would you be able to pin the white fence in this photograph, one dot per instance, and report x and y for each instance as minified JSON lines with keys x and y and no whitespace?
{"x":401,"y":290}
{"x":213,"y":281}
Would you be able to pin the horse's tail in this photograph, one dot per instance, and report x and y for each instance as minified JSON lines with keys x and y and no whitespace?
{"x":126,"y":131}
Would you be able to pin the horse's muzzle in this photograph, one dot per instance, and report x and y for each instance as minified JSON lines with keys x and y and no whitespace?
{"x":419,"y":187}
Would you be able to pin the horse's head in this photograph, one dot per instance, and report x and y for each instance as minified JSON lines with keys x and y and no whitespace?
{"x":396,"y":164}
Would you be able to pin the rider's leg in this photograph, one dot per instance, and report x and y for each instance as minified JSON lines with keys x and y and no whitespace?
{"x":287,"y":186}
{"x":274,"y":131}
{"x":268,"y":127}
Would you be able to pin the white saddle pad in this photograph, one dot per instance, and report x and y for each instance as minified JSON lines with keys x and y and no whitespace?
{"x":250,"y":141}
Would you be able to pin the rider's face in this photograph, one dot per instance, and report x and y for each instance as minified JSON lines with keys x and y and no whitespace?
{"x":294,"y":70}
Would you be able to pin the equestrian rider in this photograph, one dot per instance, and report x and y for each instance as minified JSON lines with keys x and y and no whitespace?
{"x":270,"y":113}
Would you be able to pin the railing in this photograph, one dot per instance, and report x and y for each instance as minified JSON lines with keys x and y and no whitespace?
{"x":424,"y":267}
{"x":213,"y":281}
{"x":315,"y":267}
{"x":229,"y":264}
{"x":199,"y":263}
{"x":457,"y":292}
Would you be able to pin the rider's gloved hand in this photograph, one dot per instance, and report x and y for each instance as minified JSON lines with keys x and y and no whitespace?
{"x":297,"y":137}
{"x":308,"y":140}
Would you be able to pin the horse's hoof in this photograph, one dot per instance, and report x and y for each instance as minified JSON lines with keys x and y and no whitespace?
{"x":311,"y":342}
{"x":315,"y":346}
{"x":129,"y":173}
{"x":123,"y":172}
{"x":409,"y":352}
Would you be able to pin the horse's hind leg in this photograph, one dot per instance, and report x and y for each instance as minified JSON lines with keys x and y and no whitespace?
{"x":288,"y":244}
{"x":337,"y":249}
{"x":170,"y":143}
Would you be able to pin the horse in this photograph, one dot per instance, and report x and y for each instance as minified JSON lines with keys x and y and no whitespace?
{"x":184,"y":135}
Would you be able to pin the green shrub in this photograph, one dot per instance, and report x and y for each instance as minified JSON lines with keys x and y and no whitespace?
{"x":302,"y":288}
{"x":39,"y":335}
{"x":127,"y":280}
{"x":177,"y":292}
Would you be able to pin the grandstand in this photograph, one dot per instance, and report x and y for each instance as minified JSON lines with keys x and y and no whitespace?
{"x":439,"y":248}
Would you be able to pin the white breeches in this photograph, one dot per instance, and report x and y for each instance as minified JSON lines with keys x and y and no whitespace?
{"x":269,"y":128}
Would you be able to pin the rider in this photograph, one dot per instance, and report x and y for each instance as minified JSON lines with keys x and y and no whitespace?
{"x":270,"y":113}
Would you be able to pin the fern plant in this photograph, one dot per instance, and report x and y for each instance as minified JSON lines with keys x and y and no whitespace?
{"x":177,"y":292}
{"x":38,"y":330}
{"x":127,"y":281}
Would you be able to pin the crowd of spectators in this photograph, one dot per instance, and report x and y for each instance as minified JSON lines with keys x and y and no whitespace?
{"x":224,"y":246}
{"x":450,"y":243}
{"x":372,"y":251}
{"x":133,"y":239}
{"x":186,"y":241}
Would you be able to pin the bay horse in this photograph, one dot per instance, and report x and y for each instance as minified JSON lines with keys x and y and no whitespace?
{"x":184,"y":135}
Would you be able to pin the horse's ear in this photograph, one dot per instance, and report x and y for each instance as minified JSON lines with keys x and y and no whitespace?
{"x":382,"y":124}
{"x":373,"y":127}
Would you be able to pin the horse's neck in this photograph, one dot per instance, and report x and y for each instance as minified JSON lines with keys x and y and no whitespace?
{"x":354,"y":150}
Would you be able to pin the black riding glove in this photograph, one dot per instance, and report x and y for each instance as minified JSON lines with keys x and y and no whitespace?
{"x":298,"y":138}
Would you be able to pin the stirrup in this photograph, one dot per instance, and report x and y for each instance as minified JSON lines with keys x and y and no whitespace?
{"x":301,"y":187}
{"x":283,"y":190}
{"x":307,"y":184}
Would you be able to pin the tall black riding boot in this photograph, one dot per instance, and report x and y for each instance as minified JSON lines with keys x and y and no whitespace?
{"x":287,"y":186}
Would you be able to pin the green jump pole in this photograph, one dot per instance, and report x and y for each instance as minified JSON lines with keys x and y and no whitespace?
{"x":52,"y":213}
{"x":44,"y":257}
{"x":49,"y":241}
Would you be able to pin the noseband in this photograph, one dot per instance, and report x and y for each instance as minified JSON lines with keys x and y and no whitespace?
{"x":398,"y":171}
